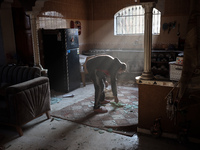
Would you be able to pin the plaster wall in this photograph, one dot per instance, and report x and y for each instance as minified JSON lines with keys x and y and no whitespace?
{"x":97,"y":24}
{"x":7,"y":33}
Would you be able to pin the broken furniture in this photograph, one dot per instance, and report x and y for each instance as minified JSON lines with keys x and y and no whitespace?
{"x":24,"y":95}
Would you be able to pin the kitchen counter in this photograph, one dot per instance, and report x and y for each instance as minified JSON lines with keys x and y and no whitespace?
{"x":152,"y":104}
{"x":160,"y":82}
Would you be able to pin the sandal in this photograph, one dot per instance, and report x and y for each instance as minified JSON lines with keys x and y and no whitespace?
{"x":100,"y":110}
{"x":105,"y":102}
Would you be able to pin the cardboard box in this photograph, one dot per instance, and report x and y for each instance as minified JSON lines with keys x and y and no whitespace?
{"x":179,"y":60}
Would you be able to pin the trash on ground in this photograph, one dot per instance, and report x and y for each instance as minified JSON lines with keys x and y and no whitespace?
{"x":96,"y":129}
{"x":101,"y":132}
{"x":110,"y":130}
{"x":58,"y":119}
{"x":55,"y":100}
{"x":68,"y":95}
{"x":117,"y":104}
{"x":128,"y":107}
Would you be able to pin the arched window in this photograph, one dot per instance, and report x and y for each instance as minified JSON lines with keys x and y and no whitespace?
{"x":130,"y":20}
{"x":51,"y":20}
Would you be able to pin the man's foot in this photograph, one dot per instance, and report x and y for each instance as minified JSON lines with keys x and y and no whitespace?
{"x":105,"y":102}
{"x":100,"y":110}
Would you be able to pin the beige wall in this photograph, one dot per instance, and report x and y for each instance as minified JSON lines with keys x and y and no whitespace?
{"x":97,"y":17}
{"x":101,"y":31}
{"x":171,"y":37}
{"x":76,"y":10}
{"x":97,"y":20}
{"x":102,"y":37}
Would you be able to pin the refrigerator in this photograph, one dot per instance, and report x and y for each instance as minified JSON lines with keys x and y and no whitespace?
{"x":61,"y":58}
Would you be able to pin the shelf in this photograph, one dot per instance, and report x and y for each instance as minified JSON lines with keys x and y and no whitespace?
{"x":161,"y":58}
{"x":160,"y":71}
{"x":166,"y":51}
{"x":160,"y":62}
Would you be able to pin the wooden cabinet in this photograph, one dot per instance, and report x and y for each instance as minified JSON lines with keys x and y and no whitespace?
{"x":160,"y":61}
{"x":152,"y":105}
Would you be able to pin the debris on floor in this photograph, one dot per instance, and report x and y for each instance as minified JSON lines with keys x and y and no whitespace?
{"x":52,"y":119}
{"x":117,"y":104}
{"x":101,"y":132}
{"x":110,"y":130}
{"x":68,"y":95}
{"x":57,"y":119}
{"x":55,"y":100}
{"x":96,"y":129}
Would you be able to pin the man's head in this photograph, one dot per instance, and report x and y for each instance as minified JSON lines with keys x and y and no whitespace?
{"x":122,"y":68}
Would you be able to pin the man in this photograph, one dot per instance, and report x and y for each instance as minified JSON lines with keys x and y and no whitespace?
{"x":98,"y":68}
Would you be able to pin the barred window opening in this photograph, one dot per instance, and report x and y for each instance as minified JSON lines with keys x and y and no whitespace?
{"x":130,"y":20}
{"x":51,"y":20}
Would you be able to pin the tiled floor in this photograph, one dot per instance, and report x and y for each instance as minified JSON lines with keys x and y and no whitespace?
{"x":58,"y":134}
{"x":82,"y":112}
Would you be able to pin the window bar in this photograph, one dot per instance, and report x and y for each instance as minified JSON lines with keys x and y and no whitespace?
{"x":130,"y":29}
{"x":125,"y":28}
{"x":136,"y":14}
{"x":143,"y":21}
{"x":159,"y":21}
{"x":132,"y":20}
{"x":139,"y":24}
{"x":156,"y":22}
{"x":153,"y":21}
{"x":122,"y":23}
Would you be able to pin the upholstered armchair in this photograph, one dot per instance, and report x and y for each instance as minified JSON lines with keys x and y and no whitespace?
{"x":24,"y":95}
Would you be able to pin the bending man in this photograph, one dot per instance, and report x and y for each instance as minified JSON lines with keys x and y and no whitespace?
{"x":98,"y":68}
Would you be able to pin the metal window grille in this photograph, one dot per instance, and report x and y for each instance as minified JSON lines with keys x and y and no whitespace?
{"x":130,"y":20}
{"x":51,"y":20}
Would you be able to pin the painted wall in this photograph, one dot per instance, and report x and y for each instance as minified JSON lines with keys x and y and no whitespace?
{"x":96,"y":16}
{"x":76,"y":10}
{"x":101,"y":35}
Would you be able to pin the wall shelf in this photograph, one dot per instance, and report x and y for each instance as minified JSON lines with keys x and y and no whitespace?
{"x":160,"y":61}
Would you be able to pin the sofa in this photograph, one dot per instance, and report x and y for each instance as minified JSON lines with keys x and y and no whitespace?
{"x":24,"y":95}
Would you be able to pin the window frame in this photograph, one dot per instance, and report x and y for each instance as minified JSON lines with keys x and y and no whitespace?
{"x":156,"y":17}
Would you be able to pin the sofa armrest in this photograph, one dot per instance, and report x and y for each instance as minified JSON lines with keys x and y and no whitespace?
{"x":26,"y":85}
{"x":28,"y":100}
